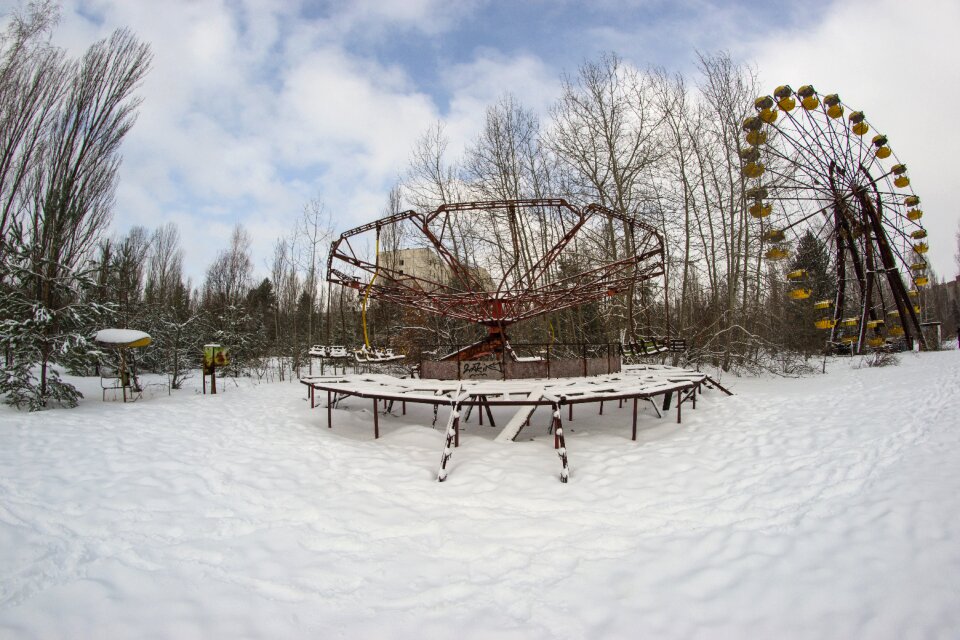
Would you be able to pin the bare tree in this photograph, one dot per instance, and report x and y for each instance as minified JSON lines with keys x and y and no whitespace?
{"x":431,"y":179}
{"x":126,"y":271}
{"x":606,"y":131}
{"x":71,"y":188}
{"x":228,"y":277}
{"x":315,"y":229}
{"x":33,"y":77}
{"x":507,"y":162}
{"x":164,"y":265}
{"x":728,"y":91}
{"x":956,"y":256}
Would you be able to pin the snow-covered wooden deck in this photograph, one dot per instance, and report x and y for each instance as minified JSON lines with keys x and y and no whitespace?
{"x":639,"y":382}
{"x":636,"y":382}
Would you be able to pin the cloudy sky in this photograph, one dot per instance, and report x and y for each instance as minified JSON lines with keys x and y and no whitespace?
{"x":253,"y":107}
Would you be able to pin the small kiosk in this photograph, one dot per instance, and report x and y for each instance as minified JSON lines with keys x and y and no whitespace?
{"x":124,"y":377}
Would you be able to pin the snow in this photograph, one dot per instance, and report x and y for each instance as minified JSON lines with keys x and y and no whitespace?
{"x":821,"y":507}
{"x":120,"y":337}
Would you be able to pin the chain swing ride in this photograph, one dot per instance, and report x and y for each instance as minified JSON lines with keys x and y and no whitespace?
{"x":497,"y":263}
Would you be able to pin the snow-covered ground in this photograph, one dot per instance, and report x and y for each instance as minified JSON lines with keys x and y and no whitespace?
{"x":822,"y":507}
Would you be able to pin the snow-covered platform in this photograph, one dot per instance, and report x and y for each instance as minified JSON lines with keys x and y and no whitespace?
{"x":635,"y":382}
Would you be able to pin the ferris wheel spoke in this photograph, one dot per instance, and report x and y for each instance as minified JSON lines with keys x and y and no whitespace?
{"x":823,"y":176}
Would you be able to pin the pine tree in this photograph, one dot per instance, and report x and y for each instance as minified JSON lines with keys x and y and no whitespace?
{"x":33,"y":332}
{"x":812,"y":256}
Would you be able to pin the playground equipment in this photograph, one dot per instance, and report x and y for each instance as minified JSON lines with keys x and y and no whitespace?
{"x":813,"y":163}
{"x":124,"y":376}
{"x":497,"y":263}
{"x":335,"y":355}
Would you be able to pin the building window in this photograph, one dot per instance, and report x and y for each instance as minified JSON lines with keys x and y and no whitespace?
{"x":401,"y":263}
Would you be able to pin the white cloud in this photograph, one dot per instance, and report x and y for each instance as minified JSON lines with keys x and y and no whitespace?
{"x":895,"y":61}
{"x":476,"y":85}
{"x":334,"y":107}
{"x":245,"y":116}
{"x":376,"y":18}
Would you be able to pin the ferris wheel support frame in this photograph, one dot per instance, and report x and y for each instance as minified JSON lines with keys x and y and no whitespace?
{"x":900,"y":298}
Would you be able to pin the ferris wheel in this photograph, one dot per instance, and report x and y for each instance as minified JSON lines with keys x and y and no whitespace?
{"x":815,"y":166}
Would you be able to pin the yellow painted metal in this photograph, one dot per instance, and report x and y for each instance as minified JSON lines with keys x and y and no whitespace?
{"x":916,"y":308}
{"x":822,"y":304}
{"x":783,"y":91}
{"x":911,"y":201}
{"x":797,"y":274}
{"x":918,"y":266}
{"x":901,"y":181}
{"x":366,"y":295}
{"x":921,"y":281}
{"x":122,"y":338}
{"x":896,"y":331}
{"x":918,"y":234}
{"x":913,"y":293}
{"x":756,"y":138}
{"x":860,"y":128}
{"x":835,"y":111}
{"x":810,"y":103}
{"x":856,"y":117}
{"x":763,"y":102}
{"x":769,"y":115}
{"x":921,"y":247}
{"x":777,"y":253}
{"x":873,"y":324}
{"x":848,"y":339}
{"x":849,"y":322}
{"x":760,"y":210}
{"x":914,"y":214}
{"x":825,"y":323}
{"x":774,"y":235}
{"x":752,"y":123}
{"x":898,"y":169}
{"x":786,"y":104}
{"x":753,"y":169}
{"x":876,"y":342}
{"x":883,"y":152}
{"x":799,"y":294}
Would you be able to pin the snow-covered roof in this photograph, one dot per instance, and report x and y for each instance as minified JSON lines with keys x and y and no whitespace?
{"x":122,"y":338}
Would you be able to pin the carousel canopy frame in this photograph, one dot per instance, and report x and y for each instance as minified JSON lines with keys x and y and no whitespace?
{"x":499,"y":262}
